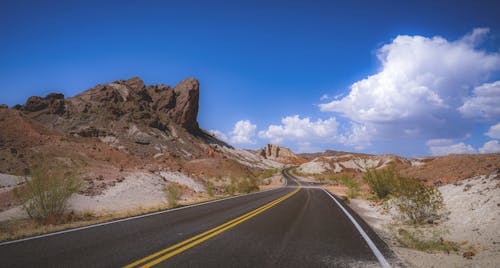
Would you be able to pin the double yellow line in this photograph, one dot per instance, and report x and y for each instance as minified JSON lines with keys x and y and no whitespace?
{"x":171,"y":251}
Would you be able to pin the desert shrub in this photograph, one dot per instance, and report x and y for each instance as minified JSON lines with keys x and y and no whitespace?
{"x":267,"y":173}
{"x":352,"y":185}
{"x":334,"y":179}
{"x":418,"y":240}
{"x":45,"y":195}
{"x":248,"y":185}
{"x":232,"y":187}
{"x":381,"y":182}
{"x":243,"y":186}
{"x":417,"y":202}
{"x":210,"y":188}
{"x":174,"y":193}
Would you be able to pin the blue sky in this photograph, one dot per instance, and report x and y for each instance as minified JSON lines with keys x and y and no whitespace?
{"x":409,"y":78}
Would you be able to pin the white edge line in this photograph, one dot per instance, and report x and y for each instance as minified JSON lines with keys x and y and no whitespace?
{"x":381,"y":259}
{"x":131,"y":218}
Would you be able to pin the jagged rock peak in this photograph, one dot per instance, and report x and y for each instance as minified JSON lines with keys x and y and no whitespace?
{"x":129,"y":98}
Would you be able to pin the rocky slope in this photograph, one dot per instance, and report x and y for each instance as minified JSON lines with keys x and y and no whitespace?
{"x":348,"y":163}
{"x":280,"y":154}
{"x":433,"y":170}
{"x":117,"y":129}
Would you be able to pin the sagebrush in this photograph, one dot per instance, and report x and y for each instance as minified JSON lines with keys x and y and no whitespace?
{"x":417,"y":203}
{"x":174,"y":192}
{"x":353,"y":186}
{"x":381,"y":182}
{"x":46,"y":193}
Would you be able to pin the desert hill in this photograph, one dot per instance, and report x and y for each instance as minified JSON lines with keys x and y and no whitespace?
{"x":115,"y":130}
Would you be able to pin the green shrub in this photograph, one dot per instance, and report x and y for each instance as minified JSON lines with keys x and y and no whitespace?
{"x":174,"y":193}
{"x":381,"y":182}
{"x":231,"y":188}
{"x":247,"y":185}
{"x":267,"y":173}
{"x":210,"y":188}
{"x":417,"y":202}
{"x":45,"y":195}
{"x":352,"y":185}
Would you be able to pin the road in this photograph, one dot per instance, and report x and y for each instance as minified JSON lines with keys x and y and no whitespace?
{"x":293,"y":226}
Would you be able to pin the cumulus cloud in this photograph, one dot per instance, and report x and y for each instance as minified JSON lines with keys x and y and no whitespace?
{"x":359,"y":136}
{"x":301,"y":130}
{"x":218,"y":134}
{"x":421,"y":85}
{"x":446,"y":147}
{"x":490,"y":147}
{"x":243,"y":132}
{"x":324,"y":97}
{"x":484,"y":103}
{"x":494,"y":131}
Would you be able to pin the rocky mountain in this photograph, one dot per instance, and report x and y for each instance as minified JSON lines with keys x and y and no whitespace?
{"x":279,"y":154}
{"x":117,"y":127}
{"x":327,"y":153}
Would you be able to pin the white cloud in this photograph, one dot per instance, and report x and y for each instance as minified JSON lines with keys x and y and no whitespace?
{"x":439,"y":142}
{"x":301,"y":130}
{"x":475,"y":37}
{"x":494,"y":132}
{"x":484,"y":103}
{"x":218,"y":134}
{"x":421,"y":84}
{"x":243,"y":132}
{"x":324,"y":97}
{"x":446,"y":147}
{"x":490,"y":147}
{"x":359,"y":137}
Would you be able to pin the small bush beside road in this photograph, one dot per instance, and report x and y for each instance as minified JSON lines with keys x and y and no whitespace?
{"x":45,"y":195}
{"x":381,"y":182}
{"x":417,"y":203}
{"x":174,"y":193}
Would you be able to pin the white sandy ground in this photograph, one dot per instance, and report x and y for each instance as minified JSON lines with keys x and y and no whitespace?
{"x":8,"y":182}
{"x":474,"y":216}
{"x":138,"y":190}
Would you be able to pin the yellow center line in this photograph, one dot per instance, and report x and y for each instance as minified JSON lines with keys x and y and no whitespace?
{"x":195,"y":240}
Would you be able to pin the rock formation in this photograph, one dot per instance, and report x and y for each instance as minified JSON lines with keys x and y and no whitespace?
{"x":120,"y":124}
{"x":155,"y":105}
{"x":279,"y":154}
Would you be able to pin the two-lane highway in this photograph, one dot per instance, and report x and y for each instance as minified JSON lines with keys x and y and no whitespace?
{"x":292,"y":226}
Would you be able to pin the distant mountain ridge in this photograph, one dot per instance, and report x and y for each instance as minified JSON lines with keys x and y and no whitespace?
{"x":327,"y":153}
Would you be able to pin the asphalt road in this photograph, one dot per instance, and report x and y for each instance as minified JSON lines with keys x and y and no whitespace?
{"x":293,"y":226}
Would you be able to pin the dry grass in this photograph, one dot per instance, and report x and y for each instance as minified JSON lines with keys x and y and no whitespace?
{"x":422,"y":241}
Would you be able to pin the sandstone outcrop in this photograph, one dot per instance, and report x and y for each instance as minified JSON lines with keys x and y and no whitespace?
{"x":279,"y":154}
